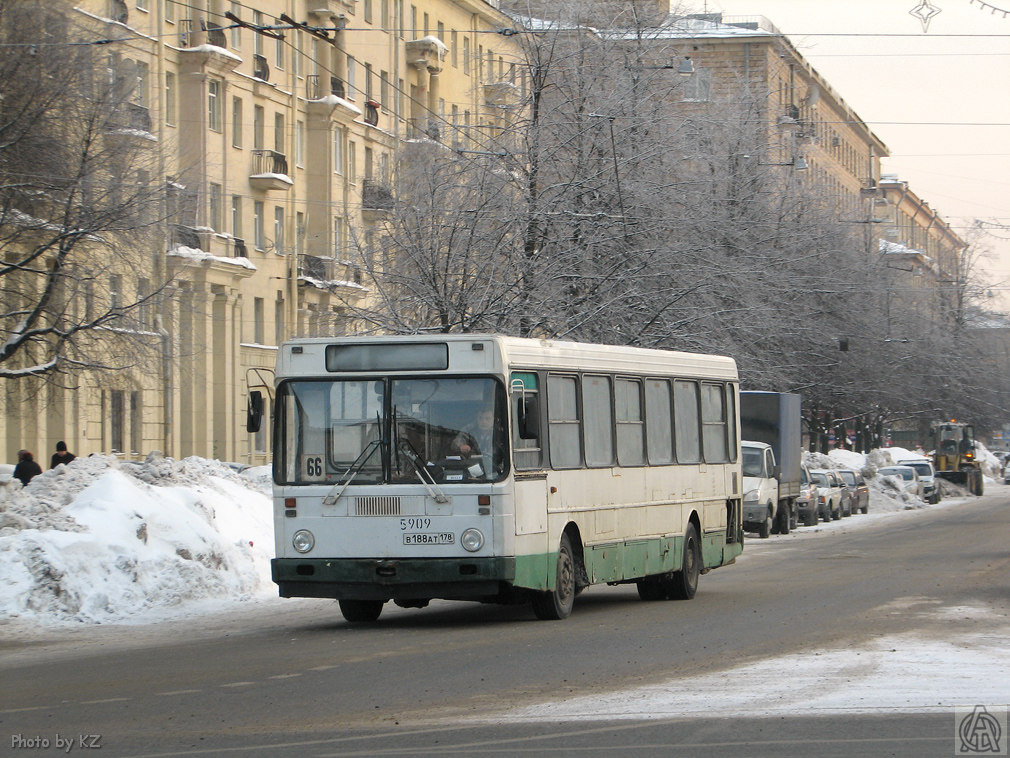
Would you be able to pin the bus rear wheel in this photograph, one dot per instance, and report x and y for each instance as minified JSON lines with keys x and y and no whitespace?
{"x":556,"y":604}
{"x":360,"y":611}
{"x":683,"y":585}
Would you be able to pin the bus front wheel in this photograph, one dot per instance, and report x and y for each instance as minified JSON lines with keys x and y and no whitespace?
{"x":360,"y":611}
{"x":556,"y":604}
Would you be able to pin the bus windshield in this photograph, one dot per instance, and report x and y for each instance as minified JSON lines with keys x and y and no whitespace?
{"x":393,"y":430}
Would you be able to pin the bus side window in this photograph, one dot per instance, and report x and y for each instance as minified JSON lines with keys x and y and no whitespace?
{"x":525,"y":400}
{"x":687,"y":427}
{"x":564,"y":423}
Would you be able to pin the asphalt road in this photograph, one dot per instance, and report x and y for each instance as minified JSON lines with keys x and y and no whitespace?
{"x":291,"y":678}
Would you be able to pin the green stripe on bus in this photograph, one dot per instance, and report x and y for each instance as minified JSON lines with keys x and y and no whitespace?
{"x":631,"y":559}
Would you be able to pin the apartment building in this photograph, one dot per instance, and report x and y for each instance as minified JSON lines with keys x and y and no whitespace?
{"x":278,"y":125}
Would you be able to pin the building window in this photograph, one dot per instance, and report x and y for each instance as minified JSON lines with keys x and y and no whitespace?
{"x":258,"y":224}
{"x":259,"y":116}
{"x":338,"y":151}
{"x":351,"y":77}
{"x":466,"y":55}
{"x":170,"y":11}
{"x":170,"y":95}
{"x":117,"y":420}
{"x":136,"y":420}
{"x":236,"y":30}
{"x":299,"y":143}
{"x":236,"y":122}
{"x":279,"y":136}
{"x":140,"y":92}
{"x":366,"y":11}
{"x":236,"y":216}
{"x":279,"y":319}
{"x":698,"y":86}
{"x":115,"y":291}
{"x":453,"y":43}
{"x":258,"y":38}
{"x":278,"y":229}
{"x":143,"y":304}
{"x":279,"y":49}
{"x":352,"y":163}
{"x":214,"y":104}
{"x":338,"y":237}
{"x":215,"y":210}
{"x":258,"y":320}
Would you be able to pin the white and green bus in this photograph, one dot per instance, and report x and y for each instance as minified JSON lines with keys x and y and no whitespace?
{"x":499,"y":469}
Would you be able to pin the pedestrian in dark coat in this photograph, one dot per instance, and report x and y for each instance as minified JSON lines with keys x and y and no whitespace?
{"x":62,"y":455}
{"x":26,"y":468}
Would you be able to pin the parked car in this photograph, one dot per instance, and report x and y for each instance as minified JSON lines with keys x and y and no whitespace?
{"x":829,"y":493}
{"x":908,"y":476}
{"x":858,"y":490}
{"x":806,"y":503}
{"x":930,"y":485}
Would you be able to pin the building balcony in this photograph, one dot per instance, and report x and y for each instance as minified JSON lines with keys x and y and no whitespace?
{"x":501,"y":95}
{"x":316,"y":87}
{"x":269,"y":171}
{"x":261,"y":69}
{"x":376,"y":199}
{"x":315,"y":267}
{"x":131,"y":121}
{"x":426,"y":52}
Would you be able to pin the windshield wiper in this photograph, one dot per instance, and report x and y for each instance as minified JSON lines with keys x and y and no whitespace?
{"x":353,"y":469}
{"x":415,"y":460}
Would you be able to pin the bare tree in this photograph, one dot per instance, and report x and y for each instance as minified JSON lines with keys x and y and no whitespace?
{"x":76,"y":206}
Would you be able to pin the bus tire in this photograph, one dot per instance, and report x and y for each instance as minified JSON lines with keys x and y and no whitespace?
{"x":556,"y":604}
{"x":650,"y":590}
{"x":683,"y":585}
{"x":360,"y":611}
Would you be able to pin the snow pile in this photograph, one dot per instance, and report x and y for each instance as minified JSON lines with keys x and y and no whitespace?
{"x":104,"y":540}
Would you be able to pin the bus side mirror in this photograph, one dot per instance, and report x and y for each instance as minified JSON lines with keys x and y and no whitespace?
{"x":529,"y":418}
{"x":254,"y":412}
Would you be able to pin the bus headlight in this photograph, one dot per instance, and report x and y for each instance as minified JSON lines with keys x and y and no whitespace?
{"x":472,"y":540}
{"x":303,"y":541}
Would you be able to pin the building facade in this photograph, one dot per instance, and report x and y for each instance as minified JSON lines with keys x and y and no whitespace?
{"x":277,"y":126}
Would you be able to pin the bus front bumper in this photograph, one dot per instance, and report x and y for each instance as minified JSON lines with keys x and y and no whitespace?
{"x":393,"y":578}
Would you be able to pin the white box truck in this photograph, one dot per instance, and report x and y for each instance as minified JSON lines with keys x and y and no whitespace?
{"x":770,"y":434}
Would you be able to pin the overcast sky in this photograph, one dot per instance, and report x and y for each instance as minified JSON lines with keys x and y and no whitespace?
{"x":939,"y":99}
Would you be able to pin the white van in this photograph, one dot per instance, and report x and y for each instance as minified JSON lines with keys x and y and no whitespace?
{"x":927,"y":476}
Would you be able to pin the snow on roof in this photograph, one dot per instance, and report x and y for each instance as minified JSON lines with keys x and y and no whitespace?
{"x":208,"y":48}
{"x":196,"y":254}
{"x":332,"y":100}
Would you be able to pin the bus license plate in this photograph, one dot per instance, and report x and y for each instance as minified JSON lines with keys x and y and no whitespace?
{"x":429,"y":538}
